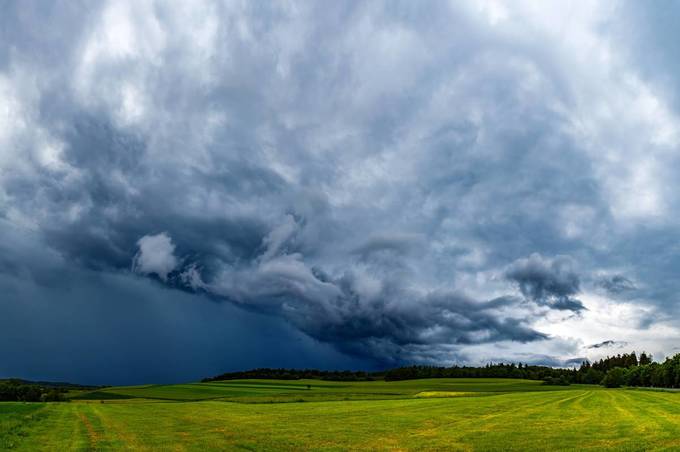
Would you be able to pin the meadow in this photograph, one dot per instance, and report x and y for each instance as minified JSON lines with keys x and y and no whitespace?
{"x":436,"y":414}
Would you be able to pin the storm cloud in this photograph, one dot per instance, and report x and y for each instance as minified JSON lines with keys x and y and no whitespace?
{"x":609,"y":344}
{"x":617,"y":284}
{"x":392,"y":182}
{"x":365,"y":311}
{"x":550,"y":282}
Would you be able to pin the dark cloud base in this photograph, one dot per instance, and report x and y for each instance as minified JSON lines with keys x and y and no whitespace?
{"x":119,"y":329}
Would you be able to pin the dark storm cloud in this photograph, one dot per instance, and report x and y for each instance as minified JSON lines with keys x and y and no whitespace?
{"x":124,"y":329}
{"x":574,"y":362}
{"x":249,"y":211}
{"x":609,"y":344}
{"x":541,"y":360}
{"x":362,"y":312}
{"x":549,"y":282}
{"x":363,"y":171}
{"x":617,"y":284}
{"x":398,"y":244}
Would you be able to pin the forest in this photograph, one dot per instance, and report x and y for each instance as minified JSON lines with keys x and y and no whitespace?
{"x":626,"y":369}
{"x":297,"y":374}
{"x":16,"y":390}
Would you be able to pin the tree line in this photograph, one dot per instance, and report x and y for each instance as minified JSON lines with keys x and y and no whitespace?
{"x":650,"y":374}
{"x":626,"y":369}
{"x":499,"y":370}
{"x":15,"y":390}
{"x":613,"y":371}
{"x":296,"y":374}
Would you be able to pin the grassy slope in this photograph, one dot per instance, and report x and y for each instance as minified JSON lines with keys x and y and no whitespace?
{"x":576,"y":418}
{"x":267,"y":391}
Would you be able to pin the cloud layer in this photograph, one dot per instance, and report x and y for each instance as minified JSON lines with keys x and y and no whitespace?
{"x":548,"y":282}
{"x":456,"y":183}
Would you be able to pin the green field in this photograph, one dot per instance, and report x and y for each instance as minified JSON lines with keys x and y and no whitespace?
{"x":453,"y":414}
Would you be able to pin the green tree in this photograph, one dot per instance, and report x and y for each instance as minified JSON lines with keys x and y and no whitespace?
{"x":593,"y":376}
{"x":645,"y":359}
{"x":614,"y":378}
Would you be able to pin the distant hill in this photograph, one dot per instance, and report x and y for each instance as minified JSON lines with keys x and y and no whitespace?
{"x":47,"y":384}
{"x":19,"y":390}
{"x":298,"y":374}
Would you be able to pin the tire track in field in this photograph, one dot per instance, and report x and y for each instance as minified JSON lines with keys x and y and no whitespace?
{"x":119,"y":430}
{"x":490,"y":420}
{"x":622,"y":405}
{"x":65,"y":415}
{"x":579,"y":403}
{"x":539,"y":401}
{"x":538,"y":406}
{"x":661,"y":395}
{"x":499,"y":415}
{"x":575,"y":401}
{"x":653,"y":421}
{"x":663,"y":419}
{"x":93,"y":436}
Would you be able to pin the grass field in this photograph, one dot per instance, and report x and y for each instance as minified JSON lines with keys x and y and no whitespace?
{"x":268,"y":391}
{"x":454,"y":414}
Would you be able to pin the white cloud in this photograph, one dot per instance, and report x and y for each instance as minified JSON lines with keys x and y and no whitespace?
{"x":155,"y":256}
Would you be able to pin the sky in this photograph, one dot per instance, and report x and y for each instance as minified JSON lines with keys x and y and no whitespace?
{"x":189,"y":188}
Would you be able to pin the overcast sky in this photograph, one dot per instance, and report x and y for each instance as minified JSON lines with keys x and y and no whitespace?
{"x":193,"y":187}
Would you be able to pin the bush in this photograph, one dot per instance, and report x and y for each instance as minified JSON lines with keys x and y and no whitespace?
{"x":556,"y":381}
{"x":614,"y":378}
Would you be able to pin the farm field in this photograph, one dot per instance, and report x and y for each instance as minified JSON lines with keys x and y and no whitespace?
{"x":454,"y":414}
{"x":267,"y":391}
